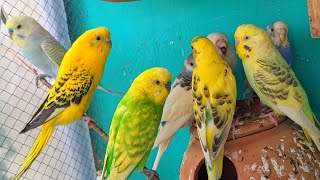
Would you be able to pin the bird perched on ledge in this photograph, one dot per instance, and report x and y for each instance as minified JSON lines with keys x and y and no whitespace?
{"x":178,"y":108}
{"x":273,"y":80}
{"x":214,"y":99}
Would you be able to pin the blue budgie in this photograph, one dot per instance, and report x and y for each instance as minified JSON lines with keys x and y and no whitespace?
{"x":279,"y":35}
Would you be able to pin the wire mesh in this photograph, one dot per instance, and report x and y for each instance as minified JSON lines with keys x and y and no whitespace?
{"x":68,"y":155}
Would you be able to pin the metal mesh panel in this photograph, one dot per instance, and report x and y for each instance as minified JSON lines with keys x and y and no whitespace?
{"x":68,"y":155}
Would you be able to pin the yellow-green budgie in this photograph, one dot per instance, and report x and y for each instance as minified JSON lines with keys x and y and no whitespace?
{"x":273,"y":79}
{"x":214,"y":100}
{"x":39,"y":46}
{"x":80,"y":73}
{"x":135,"y":124}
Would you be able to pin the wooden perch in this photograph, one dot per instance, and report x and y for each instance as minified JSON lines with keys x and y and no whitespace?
{"x":314,"y":17}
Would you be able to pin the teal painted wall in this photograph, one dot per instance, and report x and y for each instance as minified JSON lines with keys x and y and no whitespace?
{"x":157,"y":33}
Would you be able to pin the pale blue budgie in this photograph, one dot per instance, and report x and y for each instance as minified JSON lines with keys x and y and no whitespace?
{"x":279,"y":35}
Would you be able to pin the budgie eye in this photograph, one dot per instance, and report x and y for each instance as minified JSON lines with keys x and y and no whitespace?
{"x":98,"y":38}
{"x":272,"y":29}
{"x":247,"y":37}
{"x":191,"y":64}
{"x":191,"y":47}
{"x":19,"y":26}
{"x":156,"y":82}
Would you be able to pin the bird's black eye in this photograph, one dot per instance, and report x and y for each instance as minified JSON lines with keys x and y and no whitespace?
{"x":191,"y":47}
{"x":98,"y":38}
{"x":272,"y":29}
{"x":191,"y":64}
{"x":156,"y":82}
{"x":19,"y":26}
{"x":247,"y":37}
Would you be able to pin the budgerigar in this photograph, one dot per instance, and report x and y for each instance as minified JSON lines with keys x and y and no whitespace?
{"x":178,"y":108}
{"x":224,"y":48}
{"x":279,"y":35}
{"x":80,"y":73}
{"x":273,"y":79}
{"x":214,"y":99}
{"x":135,"y":124}
{"x":39,"y":46}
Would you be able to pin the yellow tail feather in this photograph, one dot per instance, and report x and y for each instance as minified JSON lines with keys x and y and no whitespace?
{"x":37,"y":147}
{"x":216,"y":171}
{"x":314,"y":138}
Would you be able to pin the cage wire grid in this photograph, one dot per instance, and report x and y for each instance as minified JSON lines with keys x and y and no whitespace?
{"x":68,"y":154}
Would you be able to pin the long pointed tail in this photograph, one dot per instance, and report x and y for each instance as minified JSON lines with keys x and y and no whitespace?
{"x":37,"y":147}
{"x":215,"y":172}
{"x":315,"y":139}
{"x":162,"y":148}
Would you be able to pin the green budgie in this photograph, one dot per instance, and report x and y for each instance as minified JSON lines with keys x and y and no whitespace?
{"x":39,"y":46}
{"x":135,"y":124}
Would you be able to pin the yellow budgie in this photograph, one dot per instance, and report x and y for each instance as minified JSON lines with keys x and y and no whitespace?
{"x":39,"y":46}
{"x":80,"y":73}
{"x":178,"y":108}
{"x":273,"y":80}
{"x":214,"y":100}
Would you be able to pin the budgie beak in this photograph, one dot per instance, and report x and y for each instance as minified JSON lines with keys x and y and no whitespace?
{"x":282,"y":34}
{"x":222,"y":46}
{"x":168,"y":86}
{"x":10,"y":31}
{"x":236,"y":41}
{"x":108,"y":40}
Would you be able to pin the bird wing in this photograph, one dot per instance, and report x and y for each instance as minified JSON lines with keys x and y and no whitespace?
{"x":4,"y":15}
{"x":68,"y":89}
{"x":177,"y":111}
{"x":135,"y":137}
{"x":279,"y":84}
{"x":114,"y":128}
{"x":54,"y":50}
{"x":214,"y":108}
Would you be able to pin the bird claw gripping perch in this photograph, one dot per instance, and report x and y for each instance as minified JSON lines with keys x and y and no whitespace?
{"x":151,"y":174}
{"x":42,"y":78}
{"x":270,"y":116}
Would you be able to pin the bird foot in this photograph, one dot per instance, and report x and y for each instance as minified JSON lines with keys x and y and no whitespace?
{"x":270,"y":116}
{"x":151,"y":174}
{"x":89,"y":121}
{"x":234,"y":128}
{"x":250,"y":98}
{"x":42,"y":78}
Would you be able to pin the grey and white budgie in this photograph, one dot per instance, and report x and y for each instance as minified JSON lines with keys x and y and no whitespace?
{"x":178,"y":108}
{"x":220,"y":41}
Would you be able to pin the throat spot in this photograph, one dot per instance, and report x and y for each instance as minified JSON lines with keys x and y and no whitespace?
{"x":247,"y":48}
{"x":156,"y":93}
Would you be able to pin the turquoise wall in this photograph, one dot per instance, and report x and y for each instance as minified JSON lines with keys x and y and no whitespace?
{"x":157,"y":33}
